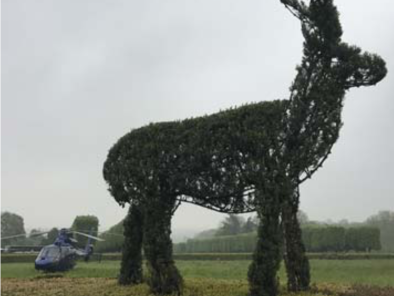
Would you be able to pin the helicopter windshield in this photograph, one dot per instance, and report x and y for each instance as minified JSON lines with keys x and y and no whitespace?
{"x":49,"y":252}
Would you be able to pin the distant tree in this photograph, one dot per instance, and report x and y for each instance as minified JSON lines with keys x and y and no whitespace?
{"x":11,"y":224}
{"x":250,"y":225}
{"x":113,"y":239}
{"x":231,"y":225}
{"x":51,"y":236}
{"x":86,"y":224}
{"x":35,"y":232}
{"x":384,"y":220}
{"x":344,"y":222}
{"x":35,"y":237}
{"x":362,"y":239}
{"x":302,"y":217}
{"x":210,"y":233}
{"x":324,"y":238}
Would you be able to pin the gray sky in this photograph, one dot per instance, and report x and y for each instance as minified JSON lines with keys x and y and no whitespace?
{"x":77,"y":75}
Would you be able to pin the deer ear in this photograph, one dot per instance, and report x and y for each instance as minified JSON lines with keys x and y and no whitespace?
{"x":372,"y":69}
{"x":368,"y":69}
{"x":356,"y":69}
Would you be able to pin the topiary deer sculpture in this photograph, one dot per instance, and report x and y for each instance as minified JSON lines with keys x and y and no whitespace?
{"x":251,"y":158}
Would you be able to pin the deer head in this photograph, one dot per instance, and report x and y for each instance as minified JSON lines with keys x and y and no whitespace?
{"x":322,"y":32}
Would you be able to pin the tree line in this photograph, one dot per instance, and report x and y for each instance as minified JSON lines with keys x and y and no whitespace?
{"x":234,"y":234}
{"x":237,"y":234}
{"x":383,"y":221}
{"x":13,"y":225}
{"x":316,"y":239}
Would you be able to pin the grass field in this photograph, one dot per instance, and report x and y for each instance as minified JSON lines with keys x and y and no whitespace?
{"x":224,"y":277}
{"x":373,"y":272}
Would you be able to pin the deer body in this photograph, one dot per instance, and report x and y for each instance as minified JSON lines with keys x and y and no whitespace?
{"x":250,"y":158}
{"x":213,"y":159}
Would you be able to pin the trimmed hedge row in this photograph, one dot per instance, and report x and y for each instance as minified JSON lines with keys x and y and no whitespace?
{"x":18,"y":258}
{"x":242,"y":243}
{"x":31,"y":257}
{"x":315,"y":256}
{"x":316,"y":239}
{"x":340,"y":239}
{"x":26,"y":258}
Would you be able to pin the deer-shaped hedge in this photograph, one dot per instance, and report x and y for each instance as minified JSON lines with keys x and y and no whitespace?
{"x":251,"y":158}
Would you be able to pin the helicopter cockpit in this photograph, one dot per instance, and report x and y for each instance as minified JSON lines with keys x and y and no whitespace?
{"x":50,"y":251}
{"x":52,"y":257}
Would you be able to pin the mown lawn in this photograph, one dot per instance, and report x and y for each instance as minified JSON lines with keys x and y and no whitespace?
{"x":109,"y":287}
{"x":372,"y":272}
{"x":64,"y":286}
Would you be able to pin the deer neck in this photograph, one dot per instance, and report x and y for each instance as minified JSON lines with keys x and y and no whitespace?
{"x":313,"y":114}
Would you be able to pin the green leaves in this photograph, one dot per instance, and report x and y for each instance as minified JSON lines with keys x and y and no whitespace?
{"x":242,"y":159}
{"x":12,"y":225}
{"x":86,"y":224}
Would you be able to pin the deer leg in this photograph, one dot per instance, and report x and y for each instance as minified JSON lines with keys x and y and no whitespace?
{"x":262,"y":273}
{"x":164,"y":277}
{"x":297,"y":264}
{"x":131,"y":266}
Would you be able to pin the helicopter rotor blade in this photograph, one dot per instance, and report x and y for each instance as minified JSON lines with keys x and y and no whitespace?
{"x":101,"y":233}
{"x":110,"y":233}
{"x":88,"y":235}
{"x":14,"y":236}
{"x":38,"y":233}
{"x":25,"y":234}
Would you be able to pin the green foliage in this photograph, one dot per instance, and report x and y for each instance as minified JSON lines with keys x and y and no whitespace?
{"x":113,"y":239}
{"x":362,"y":239}
{"x":51,"y":236}
{"x":206,"y":234}
{"x":35,"y":237}
{"x":262,"y":273}
{"x":250,"y":225}
{"x":324,"y":239}
{"x":163,"y":276}
{"x":250,"y":158}
{"x":385,"y":222}
{"x":200,"y":156}
{"x":11,"y":224}
{"x":231,"y":225}
{"x":302,"y":218}
{"x":17,"y":258}
{"x":131,"y":267}
{"x":242,"y":243}
{"x":296,"y":261}
{"x":339,"y":239}
{"x":316,"y":239}
{"x":28,"y":258}
{"x":85,"y":224}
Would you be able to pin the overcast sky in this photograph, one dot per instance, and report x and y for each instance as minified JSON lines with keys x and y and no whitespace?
{"x":79,"y":74}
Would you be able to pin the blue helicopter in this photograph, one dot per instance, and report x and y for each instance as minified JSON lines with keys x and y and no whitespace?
{"x":62,"y":254}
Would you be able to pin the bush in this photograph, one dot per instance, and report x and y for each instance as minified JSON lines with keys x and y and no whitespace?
{"x":362,"y":239}
{"x":243,"y":243}
{"x":113,"y":240}
{"x":316,"y":239}
{"x":324,"y":239}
